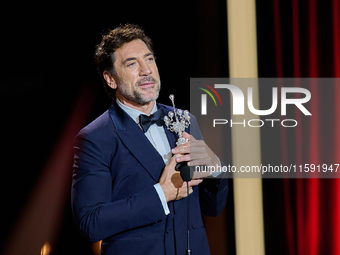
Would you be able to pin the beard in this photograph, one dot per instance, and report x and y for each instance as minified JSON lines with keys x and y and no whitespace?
{"x":137,"y":96}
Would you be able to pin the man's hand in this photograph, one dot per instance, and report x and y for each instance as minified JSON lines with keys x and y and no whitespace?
{"x":173,"y":186}
{"x":195,"y":152}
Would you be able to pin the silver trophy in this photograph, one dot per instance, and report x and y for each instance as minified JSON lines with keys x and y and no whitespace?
{"x":181,"y":122}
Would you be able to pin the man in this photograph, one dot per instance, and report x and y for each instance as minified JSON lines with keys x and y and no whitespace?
{"x":125,"y":188}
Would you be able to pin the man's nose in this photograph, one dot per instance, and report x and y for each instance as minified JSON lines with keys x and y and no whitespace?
{"x":145,"y":69}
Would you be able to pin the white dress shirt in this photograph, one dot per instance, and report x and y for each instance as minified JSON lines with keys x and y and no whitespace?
{"x":157,"y":137}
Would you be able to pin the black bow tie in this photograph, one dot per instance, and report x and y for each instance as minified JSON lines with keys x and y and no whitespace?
{"x":146,"y":121}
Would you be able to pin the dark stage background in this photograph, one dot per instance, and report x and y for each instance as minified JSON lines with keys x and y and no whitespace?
{"x":48,"y":62}
{"x":50,"y":89}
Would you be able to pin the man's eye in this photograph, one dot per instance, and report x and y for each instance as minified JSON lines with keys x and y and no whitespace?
{"x":150,"y":59}
{"x":130,"y":64}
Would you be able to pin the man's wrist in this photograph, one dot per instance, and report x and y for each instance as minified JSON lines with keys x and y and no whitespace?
{"x":162,"y":197}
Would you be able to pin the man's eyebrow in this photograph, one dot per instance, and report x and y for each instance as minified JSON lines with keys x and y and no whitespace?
{"x":128,"y":59}
{"x":133,"y":58}
{"x":148,"y":54}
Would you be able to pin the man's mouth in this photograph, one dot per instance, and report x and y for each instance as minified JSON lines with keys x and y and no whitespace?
{"x":146,"y":82}
{"x":146,"y":85}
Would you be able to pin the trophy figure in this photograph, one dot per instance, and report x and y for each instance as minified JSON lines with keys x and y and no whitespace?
{"x":181,"y":122}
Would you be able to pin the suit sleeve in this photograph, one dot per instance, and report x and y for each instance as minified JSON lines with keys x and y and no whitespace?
{"x":213,"y":191}
{"x":97,"y":216}
{"x":213,"y":195}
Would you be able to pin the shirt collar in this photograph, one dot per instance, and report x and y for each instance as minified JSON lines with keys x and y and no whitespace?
{"x":133,"y":113}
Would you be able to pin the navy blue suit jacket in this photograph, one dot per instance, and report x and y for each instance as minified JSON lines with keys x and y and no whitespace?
{"x":113,"y":194}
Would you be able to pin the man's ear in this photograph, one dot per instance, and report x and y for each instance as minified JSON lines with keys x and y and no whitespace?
{"x":110,"y":80}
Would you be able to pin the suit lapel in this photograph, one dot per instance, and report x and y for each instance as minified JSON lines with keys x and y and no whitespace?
{"x":136,"y":142}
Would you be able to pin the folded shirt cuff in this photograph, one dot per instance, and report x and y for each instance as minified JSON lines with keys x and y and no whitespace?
{"x":162,"y":198}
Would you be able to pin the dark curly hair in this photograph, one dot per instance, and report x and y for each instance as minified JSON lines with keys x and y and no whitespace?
{"x":104,"y":54}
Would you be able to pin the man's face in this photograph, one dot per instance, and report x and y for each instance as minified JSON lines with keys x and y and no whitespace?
{"x":138,"y":80}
